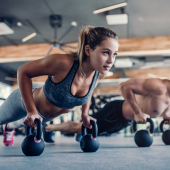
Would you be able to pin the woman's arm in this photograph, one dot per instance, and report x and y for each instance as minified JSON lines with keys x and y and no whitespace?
{"x":85,"y":108}
{"x":46,"y":66}
{"x":85,"y":114}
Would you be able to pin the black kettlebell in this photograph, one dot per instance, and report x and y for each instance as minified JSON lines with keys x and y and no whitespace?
{"x":89,"y":142}
{"x":143,"y":138}
{"x":166,"y":134}
{"x":33,"y":144}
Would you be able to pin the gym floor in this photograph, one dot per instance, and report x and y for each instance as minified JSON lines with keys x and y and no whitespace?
{"x":115,"y":152}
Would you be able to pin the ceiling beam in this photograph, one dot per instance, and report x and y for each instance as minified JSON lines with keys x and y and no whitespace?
{"x":128,"y":47}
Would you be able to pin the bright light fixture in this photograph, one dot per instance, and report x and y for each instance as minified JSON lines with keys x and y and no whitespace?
{"x":109,"y":8}
{"x":5,"y":29}
{"x":113,"y":80}
{"x":29,"y":37}
{"x":122,"y":63}
{"x":117,"y":19}
{"x":141,"y":53}
{"x":156,"y":64}
{"x":109,"y":74}
{"x":19,"y":24}
{"x":74,"y":24}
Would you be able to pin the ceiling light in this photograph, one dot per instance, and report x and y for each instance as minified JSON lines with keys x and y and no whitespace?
{"x":109,"y":8}
{"x":5,"y":29}
{"x":19,"y":24}
{"x":29,"y":37}
{"x":117,"y":19}
{"x":122,"y":63}
{"x":108,"y":80}
{"x":143,"y":53}
{"x":156,"y":64}
{"x":109,"y":74}
{"x":119,"y":80}
{"x":74,"y":24}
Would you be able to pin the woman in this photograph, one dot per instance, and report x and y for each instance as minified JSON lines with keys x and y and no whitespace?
{"x":71,"y":80}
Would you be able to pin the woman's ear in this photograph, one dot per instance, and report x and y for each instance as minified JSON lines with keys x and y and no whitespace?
{"x":87,"y":50}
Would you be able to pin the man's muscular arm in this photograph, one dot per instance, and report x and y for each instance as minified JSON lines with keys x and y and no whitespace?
{"x":140,"y":86}
{"x":85,"y":108}
{"x":129,"y":89}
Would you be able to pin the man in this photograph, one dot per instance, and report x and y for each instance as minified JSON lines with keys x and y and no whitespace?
{"x":144,"y":98}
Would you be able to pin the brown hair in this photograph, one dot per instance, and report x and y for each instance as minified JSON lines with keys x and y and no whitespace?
{"x":92,"y":36}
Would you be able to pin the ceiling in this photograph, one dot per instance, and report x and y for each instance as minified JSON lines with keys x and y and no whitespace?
{"x":145,"y":19}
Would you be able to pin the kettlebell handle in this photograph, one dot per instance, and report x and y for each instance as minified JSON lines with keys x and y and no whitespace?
{"x":38,"y":123}
{"x":148,"y":120}
{"x":161,"y":125}
{"x":94,"y":129}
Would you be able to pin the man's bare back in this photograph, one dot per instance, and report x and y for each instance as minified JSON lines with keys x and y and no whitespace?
{"x":145,"y":98}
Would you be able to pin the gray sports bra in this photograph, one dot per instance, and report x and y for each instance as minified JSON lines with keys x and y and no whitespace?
{"x":59,"y":94}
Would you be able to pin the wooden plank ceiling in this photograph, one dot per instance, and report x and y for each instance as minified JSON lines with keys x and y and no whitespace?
{"x":35,"y":51}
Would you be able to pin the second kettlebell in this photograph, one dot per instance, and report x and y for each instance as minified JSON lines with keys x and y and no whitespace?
{"x":166,"y":134}
{"x":89,"y":142}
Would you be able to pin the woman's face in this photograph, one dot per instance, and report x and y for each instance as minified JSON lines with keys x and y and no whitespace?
{"x":103,"y":56}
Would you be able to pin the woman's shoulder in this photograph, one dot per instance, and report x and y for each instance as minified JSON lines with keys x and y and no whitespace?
{"x":63,"y":61}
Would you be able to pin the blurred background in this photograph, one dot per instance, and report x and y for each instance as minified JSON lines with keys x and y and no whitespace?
{"x":30,"y":30}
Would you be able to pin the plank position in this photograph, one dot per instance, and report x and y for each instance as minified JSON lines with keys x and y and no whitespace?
{"x":71,"y":80}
